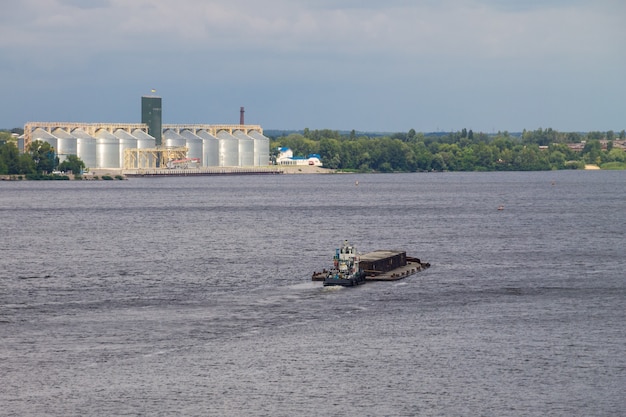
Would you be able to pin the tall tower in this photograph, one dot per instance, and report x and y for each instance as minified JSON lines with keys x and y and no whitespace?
{"x":151,"y":115}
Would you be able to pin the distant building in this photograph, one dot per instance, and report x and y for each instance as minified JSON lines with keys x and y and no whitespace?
{"x":151,"y":144}
{"x":285,"y":157}
{"x":151,"y":116}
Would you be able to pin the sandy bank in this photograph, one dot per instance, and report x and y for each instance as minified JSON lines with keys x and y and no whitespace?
{"x":590,"y":166}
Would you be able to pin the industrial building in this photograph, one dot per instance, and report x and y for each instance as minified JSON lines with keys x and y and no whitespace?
{"x":151,"y":144}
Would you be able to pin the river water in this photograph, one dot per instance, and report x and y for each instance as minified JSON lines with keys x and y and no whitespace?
{"x":192,"y":296}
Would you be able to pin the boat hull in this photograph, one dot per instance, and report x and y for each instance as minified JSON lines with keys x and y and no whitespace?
{"x":333,"y":280}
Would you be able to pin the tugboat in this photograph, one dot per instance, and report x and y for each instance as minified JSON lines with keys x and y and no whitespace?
{"x":345,"y":271}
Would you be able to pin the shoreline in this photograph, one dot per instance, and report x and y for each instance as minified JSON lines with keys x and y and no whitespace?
{"x":286,"y":170}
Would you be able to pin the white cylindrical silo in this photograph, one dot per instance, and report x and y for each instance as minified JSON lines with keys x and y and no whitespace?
{"x":172,"y":139}
{"x":85,"y":147}
{"x":210,"y":149}
{"x":40,"y":134}
{"x":246,"y":149}
{"x":229,"y":149}
{"x":107,"y":150}
{"x":66,"y":144}
{"x":194,"y":145}
{"x":127,"y":141}
{"x":261,"y":148}
{"x":145,"y":141}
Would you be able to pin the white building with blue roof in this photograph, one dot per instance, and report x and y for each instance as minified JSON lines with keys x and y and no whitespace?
{"x":285,"y":157}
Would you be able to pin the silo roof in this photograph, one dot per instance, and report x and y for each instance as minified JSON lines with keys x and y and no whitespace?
{"x":122,"y":134}
{"x":63,"y":134}
{"x":171,"y":134}
{"x":205,"y":135}
{"x":80,"y":133}
{"x":188,"y":134}
{"x":40,"y":133}
{"x":222,"y":134}
{"x":105,"y":134}
{"x":240,"y":135}
{"x":140,"y":134}
{"x":255,"y":134}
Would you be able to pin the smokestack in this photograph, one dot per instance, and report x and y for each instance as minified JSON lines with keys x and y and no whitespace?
{"x":241,"y":112}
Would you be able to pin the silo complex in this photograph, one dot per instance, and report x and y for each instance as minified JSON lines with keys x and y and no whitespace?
{"x":147,"y":145}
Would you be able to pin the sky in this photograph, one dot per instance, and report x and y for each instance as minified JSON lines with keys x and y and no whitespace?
{"x":367,"y":65}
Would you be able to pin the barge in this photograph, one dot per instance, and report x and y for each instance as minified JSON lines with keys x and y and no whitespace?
{"x":379,"y":265}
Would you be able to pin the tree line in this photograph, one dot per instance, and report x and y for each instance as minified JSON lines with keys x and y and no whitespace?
{"x":399,"y":152}
{"x":457,"y":151}
{"x":38,"y":162}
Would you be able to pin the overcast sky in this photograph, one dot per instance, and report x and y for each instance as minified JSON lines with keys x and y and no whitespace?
{"x":385,"y":66}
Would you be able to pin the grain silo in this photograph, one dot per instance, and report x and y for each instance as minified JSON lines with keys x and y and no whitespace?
{"x":85,"y":147}
{"x":40,"y":134}
{"x":107,"y":150}
{"x":127,"y":141}
{"x":145,"y":141}
{"x":171,"y":139}
{"x":229,"y":149}
{"x":261,"y":148}
{"x":246,"y":149}
{"x":194,"y":145}
{"x":66,"y":144}
{"x":210,"y":149}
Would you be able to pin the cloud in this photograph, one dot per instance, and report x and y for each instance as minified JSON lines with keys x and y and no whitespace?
{"x":341,"y":47}
{"x":479,"y":28}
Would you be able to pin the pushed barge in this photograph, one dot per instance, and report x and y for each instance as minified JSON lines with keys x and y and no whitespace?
{"x":380,"y":265}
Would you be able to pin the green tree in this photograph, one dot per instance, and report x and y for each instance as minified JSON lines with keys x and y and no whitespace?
{"x":72,"y":163}
{"x":42,"y":153}
{"x":616,"y":155}
{"x":592,"y":152}
{"x":5,"y":137}
{"x":610,"y":135}
{"x":329,"y":150}
{"x":438,"y":163}
{"x":14,"y":163}
{"x":557,"y":160}
{"x":484,"y":155}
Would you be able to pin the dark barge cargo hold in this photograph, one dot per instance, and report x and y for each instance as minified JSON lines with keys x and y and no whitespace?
{"x":379,"y":265}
